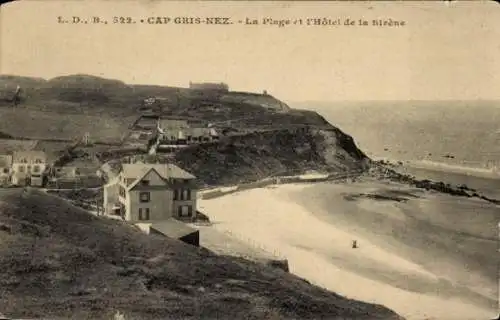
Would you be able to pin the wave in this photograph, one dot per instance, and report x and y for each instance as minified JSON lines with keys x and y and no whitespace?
{"x":493,"y":172}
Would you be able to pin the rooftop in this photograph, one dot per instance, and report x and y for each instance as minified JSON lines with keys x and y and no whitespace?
{"x":172,"y":123}
{"x":29,"y":155}
{"x":166,"y":171}
{"x":5,"y":160}
{"x":195,"y":132}
{"x":173,"y":228}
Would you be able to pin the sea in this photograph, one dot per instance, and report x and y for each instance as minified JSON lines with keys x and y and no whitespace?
{"x":457,"y":142}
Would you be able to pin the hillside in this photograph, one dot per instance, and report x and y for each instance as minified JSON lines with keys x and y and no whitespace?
{"x":272,"y":138}
{"x":58,"y":261}
{"x":279,"y":152}
{"x":86,"y":92}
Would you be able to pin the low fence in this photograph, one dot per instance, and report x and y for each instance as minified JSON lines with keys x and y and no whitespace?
{"x":269,"y":256}
{"x":270,"y":252}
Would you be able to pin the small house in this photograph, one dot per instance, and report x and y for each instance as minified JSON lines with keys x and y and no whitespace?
{"x":5,"y":169}
{"x":187,"y":136}
{"x":28,"y":168}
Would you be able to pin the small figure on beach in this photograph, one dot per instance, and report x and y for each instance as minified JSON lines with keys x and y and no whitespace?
{"x":354,"y":244}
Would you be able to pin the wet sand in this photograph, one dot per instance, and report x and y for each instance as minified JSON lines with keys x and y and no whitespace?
{"x":424,"y":255}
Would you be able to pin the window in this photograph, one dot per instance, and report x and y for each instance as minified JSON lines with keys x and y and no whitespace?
{"x":21,"y":169}
{"x":23,"y":160}
{"x":144,"y":214}
{"x":36,"y":168}
{"x":29,"y":168}
{"x":144,"y":196}
{"x":185,"y":211}
{"x":5,"y":170}
{"x":38,"y":161}
{"x":145,"y":182}
{"x":122,"y":191}
{"x":186,"y":194}
{"x":176,"y":194}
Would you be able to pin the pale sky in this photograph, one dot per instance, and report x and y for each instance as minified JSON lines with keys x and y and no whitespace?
{"x":445,"y":51}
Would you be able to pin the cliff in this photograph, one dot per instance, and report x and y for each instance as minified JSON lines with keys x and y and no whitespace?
{"x":59,"y":262}
{"x":258,"y":155}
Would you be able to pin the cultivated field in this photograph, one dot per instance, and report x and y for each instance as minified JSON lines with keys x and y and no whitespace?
{"x":51,"y":125}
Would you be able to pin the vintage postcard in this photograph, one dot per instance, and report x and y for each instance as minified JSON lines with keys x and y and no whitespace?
{"x":249,"y":160}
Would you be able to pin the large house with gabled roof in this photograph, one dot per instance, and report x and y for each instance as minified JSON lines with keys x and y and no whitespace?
{"x":151,"y":193}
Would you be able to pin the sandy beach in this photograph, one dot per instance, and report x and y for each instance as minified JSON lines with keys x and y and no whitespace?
{"x":424,"y":255}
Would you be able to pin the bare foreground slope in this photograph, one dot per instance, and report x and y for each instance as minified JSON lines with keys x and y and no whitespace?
{"x":59,"y":261}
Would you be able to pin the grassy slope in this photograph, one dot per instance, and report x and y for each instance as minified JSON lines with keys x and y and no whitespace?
{"x":84,"y":93}
{"x":88,"y":267}
{"x":68,"y":107}
{"x":34,"y":124}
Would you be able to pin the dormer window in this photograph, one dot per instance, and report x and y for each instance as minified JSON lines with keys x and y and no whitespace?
{"x":144,"y":197}
{"x":38,"y":161}
{"x":145,"y":182}
{"x":23,"y":160}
